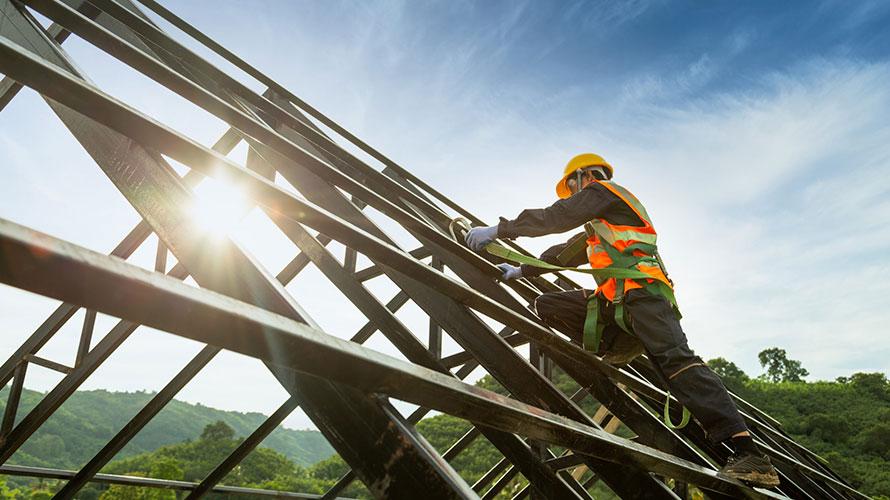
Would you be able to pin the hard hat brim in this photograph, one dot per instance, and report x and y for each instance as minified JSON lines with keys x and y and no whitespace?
{"x":562,"y":187}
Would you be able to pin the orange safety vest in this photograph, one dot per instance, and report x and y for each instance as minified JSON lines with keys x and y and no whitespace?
{"x":613,"y":246}
{"x":629,"y":247}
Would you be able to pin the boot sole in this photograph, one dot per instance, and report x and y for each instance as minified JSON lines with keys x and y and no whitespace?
{"x":622,"y":359}
{"x":761,"y":479}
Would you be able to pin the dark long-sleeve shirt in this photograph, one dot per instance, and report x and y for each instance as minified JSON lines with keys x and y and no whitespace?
{"x":592,"y":202}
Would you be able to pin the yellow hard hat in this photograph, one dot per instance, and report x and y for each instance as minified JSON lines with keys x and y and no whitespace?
{"x":583,"y":160}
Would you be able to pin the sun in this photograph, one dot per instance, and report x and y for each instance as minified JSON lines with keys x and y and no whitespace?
{"x":218,"y":207}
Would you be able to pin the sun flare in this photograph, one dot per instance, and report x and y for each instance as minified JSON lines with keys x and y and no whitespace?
{"x":218,"y":207}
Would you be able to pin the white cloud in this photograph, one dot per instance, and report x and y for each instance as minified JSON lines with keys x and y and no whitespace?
{"x":602,"y":17}
{"x":773,"y":210}
{"x":760,"y":195}
{"x":773,"y":204}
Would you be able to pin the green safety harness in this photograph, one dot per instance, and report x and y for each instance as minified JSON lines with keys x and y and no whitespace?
{"x":622,"y":268}
{"x":593,"y":324}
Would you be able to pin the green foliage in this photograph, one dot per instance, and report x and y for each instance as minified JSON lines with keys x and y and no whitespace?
{"x":779,"y":368}
{"x":5,"y":491}
{"x":847,"y":422}
{"x":443,"y":430}
{"x":83,"y":425}
{"x":263,"y":468}
{"x":733,"y":376}
{"x":875,"y":440}
{"x":120,"y":492}
{"x":218,"y":430}
{"x":167,"y":468}
{"x":872,"y":383}
{"x":195,"y":459}
{"x":825,"y":427}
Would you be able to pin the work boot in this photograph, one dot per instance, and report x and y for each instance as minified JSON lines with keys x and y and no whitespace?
{"x":755,"y":470}
{"x":623,"y":350}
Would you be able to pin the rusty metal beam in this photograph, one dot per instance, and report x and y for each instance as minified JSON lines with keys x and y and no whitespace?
{"x":122,"y":290}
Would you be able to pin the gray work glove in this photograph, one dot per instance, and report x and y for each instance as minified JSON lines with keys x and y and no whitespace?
{"x":510,"y":272}
{"x":478,"y":237}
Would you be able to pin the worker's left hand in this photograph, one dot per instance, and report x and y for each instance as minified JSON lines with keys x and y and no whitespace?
{"x":478,"y":237}
{"x":510,"y":272}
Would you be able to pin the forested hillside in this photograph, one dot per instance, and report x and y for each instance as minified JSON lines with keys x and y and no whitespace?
{"x":846,"y":421}
{"x":192,"y":460}
{"x":90,"y":418}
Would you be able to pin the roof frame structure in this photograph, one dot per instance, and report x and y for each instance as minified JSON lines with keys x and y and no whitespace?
{"x":256,"y":316}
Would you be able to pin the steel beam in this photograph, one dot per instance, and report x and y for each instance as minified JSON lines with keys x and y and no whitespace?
{"x":490,"y":475}
{"x":392,"y":169}
{"x":36,"y":262}
{"x":138,"y":422}
{"x":12,"y":400}
{"x":54,"y":398}
{"x":398,"y":195}
{"x":500,"y":484}
{"x":147,"y":482}
{"x":124,"y":249}
{"x":86,"y":336}
{"x":415,"y":417}
{"x":378,"y":429}
{"x":244,"y":448}
{"x":402,"y":338}
{"x":94,"y":103}
{"x":321,"y":145}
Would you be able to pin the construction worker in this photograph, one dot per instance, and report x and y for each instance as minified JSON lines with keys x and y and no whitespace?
{"x":624,"y":316}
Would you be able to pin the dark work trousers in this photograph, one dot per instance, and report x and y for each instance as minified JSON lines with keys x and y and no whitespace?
{"x":653,"y":322}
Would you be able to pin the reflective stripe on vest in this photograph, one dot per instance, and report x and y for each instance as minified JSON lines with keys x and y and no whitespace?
{"x":620,"y":246}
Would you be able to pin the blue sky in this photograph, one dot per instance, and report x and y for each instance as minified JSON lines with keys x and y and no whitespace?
{"x":756,"y":133}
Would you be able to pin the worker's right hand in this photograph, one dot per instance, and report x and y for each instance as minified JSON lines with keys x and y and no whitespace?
{"x":479,"y":237}
{"x":510,"y":272}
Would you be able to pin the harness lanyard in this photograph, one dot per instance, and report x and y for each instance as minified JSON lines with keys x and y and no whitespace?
{"x":607,"y":272}
{"x":593,"y":327}
{"x":667,"y":415}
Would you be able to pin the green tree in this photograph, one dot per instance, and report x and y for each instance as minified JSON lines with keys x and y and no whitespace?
{"x":779,"y":368}
{"x":826,"y":427}
{"x":5,"y":492}
{"x":875,"y":384}
{"x":218,"y":431}
{"x":167,"y":468}
{"x":330,"y":469}
{"x":875,"y":440}
{"x":91,"y":418}
{"x":733,"y":376}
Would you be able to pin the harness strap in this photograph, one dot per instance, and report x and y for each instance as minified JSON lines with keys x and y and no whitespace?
{"x":667,"y":415}
{"x":593,"y":327}
{"x":608,"y":272}
{"x":619,"y":305}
